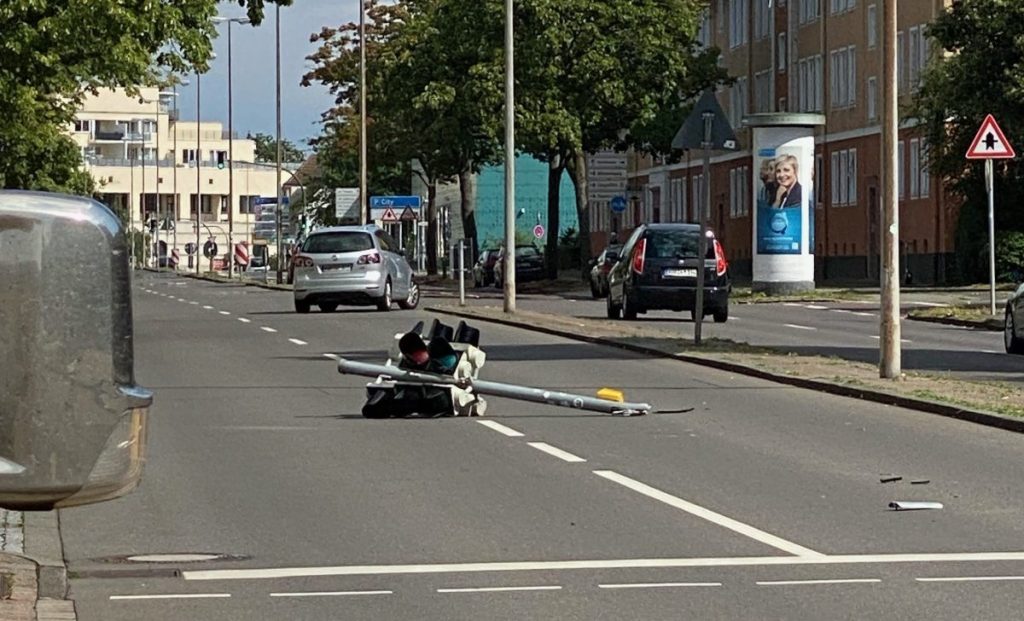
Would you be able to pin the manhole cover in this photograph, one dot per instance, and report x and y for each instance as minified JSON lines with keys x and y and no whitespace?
{"x":174,"y":558}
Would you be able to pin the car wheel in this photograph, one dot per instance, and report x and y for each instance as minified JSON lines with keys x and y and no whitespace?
{"x":721,"y":315}
{"x":628,"y":312}
{"x":594,"y":291}
{"x":613,"y":310}
{"x":302,"y":306}
{"x":328,"y":307}
{"x":413,"y":300}
{"x":1013,"y":344}
{"x":384,"y":301}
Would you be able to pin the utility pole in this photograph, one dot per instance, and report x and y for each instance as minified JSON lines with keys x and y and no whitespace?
{"x":509,"y":269}
{"x":364,"y":200}
{"x":889,"y":343}
{"x":199,"y":165}
{"x":280,"y":245}
{"x":702,"y":243}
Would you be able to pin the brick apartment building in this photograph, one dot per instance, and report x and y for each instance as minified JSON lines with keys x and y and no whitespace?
{"x":820,"y":56}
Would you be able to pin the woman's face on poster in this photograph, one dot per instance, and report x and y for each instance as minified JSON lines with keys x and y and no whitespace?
{"x":785,"y":173}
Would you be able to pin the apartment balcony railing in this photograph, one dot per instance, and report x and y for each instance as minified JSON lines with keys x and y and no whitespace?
{"x":110,"y":134}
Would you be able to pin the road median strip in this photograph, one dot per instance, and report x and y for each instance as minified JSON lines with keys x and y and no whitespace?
{"x":965,"y":316}
{"x":993,"y":404}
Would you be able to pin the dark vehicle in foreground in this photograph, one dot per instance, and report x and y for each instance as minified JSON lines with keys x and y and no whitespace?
{"x":1013,"y":331}
{"x":600,"y":268}
{"x":657,"y":270}
{"x":529,"y":265}
{"x":483,"y":269}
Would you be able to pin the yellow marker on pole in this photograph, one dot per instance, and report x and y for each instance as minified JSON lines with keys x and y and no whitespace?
{"x":611,"y":394}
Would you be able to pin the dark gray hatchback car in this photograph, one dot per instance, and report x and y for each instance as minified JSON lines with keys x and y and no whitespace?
{"x":657,"y":270}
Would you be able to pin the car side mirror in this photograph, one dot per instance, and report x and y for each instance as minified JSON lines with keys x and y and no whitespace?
{"x":72,"y":419}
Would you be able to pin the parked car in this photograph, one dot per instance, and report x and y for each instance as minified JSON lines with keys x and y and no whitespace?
{"x":483,"y":269}
{"x":599,"y":272}
{"x":1013,"y":331}
{"x":529,"y":265}
{"x":352,"y":265}
{"x":657,"y":270}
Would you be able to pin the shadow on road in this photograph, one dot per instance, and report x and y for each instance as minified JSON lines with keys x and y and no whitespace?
{"x":980,"y":365}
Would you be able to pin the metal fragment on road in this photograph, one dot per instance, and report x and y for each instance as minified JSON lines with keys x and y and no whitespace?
{"x":890,"y":478}
{"x":913,"y":505}
{"x":920,"y":482}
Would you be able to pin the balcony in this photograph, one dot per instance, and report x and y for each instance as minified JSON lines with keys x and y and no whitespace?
{"x":109,"y":135}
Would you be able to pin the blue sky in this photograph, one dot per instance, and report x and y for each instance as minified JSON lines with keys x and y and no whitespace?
{"x":253,"y":71}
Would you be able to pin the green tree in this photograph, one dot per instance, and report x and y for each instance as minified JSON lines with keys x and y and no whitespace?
{"x":52,"y":52}
{"x":977,"y":68}
{"x":266,"y":149}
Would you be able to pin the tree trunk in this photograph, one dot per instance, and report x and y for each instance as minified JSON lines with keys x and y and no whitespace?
{"x":555,"y":168}
{"x":431,"y":227}
{"x":468,"y":208}
{"x":576,"y":164}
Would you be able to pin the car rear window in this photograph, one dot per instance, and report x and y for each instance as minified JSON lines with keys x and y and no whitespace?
{"x":342,"y":241}
{"x":527,"y":251}
{"x":670,"y":244}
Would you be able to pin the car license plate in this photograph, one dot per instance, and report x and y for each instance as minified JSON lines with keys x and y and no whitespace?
{"x":681,"y":272}
{"x":338,"y":267}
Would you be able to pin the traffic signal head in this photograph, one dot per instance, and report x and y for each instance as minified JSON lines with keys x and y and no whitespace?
{"x":442,"y":357}
{"x":414,"y":350}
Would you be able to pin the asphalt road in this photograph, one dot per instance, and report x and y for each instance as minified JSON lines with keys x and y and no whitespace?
{"x":764,"y":502}
{"x":847,"y":330}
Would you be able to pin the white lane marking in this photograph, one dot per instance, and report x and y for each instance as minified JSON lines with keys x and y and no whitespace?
{"x":878,"y":338}
{"x":633,"y":563}
{"x":194,"y":303}
{"x":842,"y":310}
{"x":329,"y":593}
{"x":836,"y":581}
{"x":866,"y":314}
{"x":508,"y":431}
{"x":182,"y":300}
{"x":815,"y":307}
{"x":205,"y":307}
{"x":709,"y":515}
{"x":932,"y":304}
{"x":971,"y":579}
{"x":244,"y":320}
{"x":552,"y":587}
{"x":790,"y":304}
{"x":798,"y":327}
{"x":557,"y":452}
{"x":297,"y":342}
{"x":266,"y":329}
{"x":332,"y":356}
{"x":224,"y":312}
{"x":657,"y":585}
{"x":172,"y":596}
{"x":990,"y":351}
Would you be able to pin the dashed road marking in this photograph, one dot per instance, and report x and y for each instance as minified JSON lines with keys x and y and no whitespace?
{"x":297,"y":342}
{"x":812,"y":582}
{"x":657,"y":585}
{"x":171,"y":596}
{"x":502,"y":429}
{"x":332,"y":356}
{"x":972,"y":579}
{"x":798,"y":327}
{"x":194,"y":303}
{"x":329,"y":593}
{"x":552,"y":587}
{"x":224,"y":313}
{"x":556,"y":452}
{"x":709,"y":515}
{"x":244,"y":320}
{"x":815,"y":306}
{"x":866,"y":314}
{"x":266,"y":329}
{"x":205,"y":307}
{"x":878,"y":338}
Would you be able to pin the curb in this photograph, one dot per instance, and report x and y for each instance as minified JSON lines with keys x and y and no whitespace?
{"x":18,"y":588}
{"x":991,"y":325}
{"x":43,"y":545}
{"x":922,"y":405}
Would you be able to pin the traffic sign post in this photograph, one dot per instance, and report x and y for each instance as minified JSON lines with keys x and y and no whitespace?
{"x":990,"y":144}
{"x":538,"y":231}
{"x":618,"y":204}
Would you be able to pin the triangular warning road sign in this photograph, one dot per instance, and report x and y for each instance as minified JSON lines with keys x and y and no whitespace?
{"x":389,"y":215}
{"x":990,"y":143}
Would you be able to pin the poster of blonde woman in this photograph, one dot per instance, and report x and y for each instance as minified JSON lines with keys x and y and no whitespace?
{"x":780,"y":198}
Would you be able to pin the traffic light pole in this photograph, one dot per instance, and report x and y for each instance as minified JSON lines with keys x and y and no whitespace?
{"x":702,"y":243}
{"x":889,"y":328}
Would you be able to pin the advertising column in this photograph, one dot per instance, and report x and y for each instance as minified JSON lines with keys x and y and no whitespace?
{"x":784,"y":191}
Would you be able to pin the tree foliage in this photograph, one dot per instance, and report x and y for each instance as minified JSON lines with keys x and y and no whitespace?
{"x":52,"y":52}
{"x":977,"y":68}
{"x":266,"y":149}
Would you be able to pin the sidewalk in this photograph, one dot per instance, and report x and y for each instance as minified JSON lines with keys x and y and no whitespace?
{"x":33,"y":578}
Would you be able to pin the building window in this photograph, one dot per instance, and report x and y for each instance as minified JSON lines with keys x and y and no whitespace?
{"x":83,"y":126}
{"x":918,"y":59}
{"x":872,"y":26}
{"x":721,"y":15}
{"x":738,"y":98}
{"x":843,"y":6}
{"x":901,"y":64}
{"x":810,"y":10}
{"x":783,"y":52}
{"x":739,"y":33}
{"x":843,"y":68}
{"x":901,"y":188}
{"x":809,"y":84}
{"x":762,"y":19}
{"x":739,"y":192}
{"x":915,"y":168}
{"x":925,"y":173}
{"x":818,"y":181}
{"x":844,"y":177}
{"x":704,"y":34}
{"x":188,"y":156}
{"x":872,"y":98}
{"x":763,"y":91}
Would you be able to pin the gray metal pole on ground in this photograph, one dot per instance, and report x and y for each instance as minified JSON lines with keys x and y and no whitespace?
{"x":364,"y":200}
{"x":702,"y":244}
{"x":889,"y":341}
{"x":990,"y":184}
{"x":462,"y":273}
{"x":199,"y":165}
{"x":277,"y":93}
{"x":509,"y":269}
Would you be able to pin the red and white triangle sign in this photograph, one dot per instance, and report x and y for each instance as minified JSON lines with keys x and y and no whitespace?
{"x":389,"y":215}
{"x":990,"y":143}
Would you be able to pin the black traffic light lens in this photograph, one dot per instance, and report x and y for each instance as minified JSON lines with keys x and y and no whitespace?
{"x":413,"y":349}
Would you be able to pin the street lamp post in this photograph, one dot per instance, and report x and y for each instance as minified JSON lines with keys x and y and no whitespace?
{"x":277,"y":60}
{"x":510,"y":167}
{"x":231,"y":148}
{"x":363,"y":199}
{"x":199,"y":165}
{"x":177,"y":199}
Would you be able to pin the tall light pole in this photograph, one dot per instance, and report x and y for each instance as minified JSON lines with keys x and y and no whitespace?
{"x":277,"y":96}
{"x":364,"y":200}
{"x":199,"y":165}
{"x":510,"y":166}
{"x":231,"y":148}
{"x":889,"y":341}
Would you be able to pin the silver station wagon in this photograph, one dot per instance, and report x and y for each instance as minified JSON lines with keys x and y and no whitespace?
{"x":357,"y":265}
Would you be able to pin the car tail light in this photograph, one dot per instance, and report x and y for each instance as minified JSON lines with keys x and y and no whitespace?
{"x":373,"y":257}
{"x":303,"y":261}
{"x":638,"y":256}
{"x":721,"y":264}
